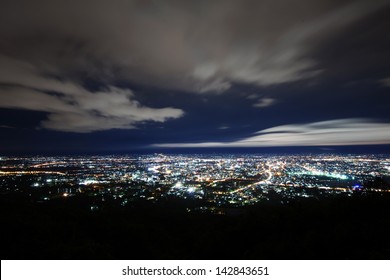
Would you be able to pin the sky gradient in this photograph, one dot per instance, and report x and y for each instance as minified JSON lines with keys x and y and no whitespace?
{"x":122,"y":76}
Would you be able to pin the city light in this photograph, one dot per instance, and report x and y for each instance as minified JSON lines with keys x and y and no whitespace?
{"x":209,"y":180}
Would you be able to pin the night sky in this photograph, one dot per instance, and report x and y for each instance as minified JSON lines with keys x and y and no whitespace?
{"x":91,"y":76}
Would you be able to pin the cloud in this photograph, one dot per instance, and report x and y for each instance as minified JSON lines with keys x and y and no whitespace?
{"x":202,"y":46}
{"x":6,"y":126}
{"x":49,"y":48}
{"x":327,"y":133}
{"x":264,"y":102}
{"x":385,"y":82}
{"x":71,"y":107}
{"x":223,"y":127}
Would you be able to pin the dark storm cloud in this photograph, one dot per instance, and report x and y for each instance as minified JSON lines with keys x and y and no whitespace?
{"x":205,"y":45}
{"x":200,"y":46}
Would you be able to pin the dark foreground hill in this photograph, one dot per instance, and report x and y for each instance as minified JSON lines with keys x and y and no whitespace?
{"x":341,"y":228}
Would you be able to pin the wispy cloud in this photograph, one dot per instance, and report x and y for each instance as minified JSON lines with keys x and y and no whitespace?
{"x":223,"y":127}
{"x":385,"y":82}
{"x":6,"y":126}
{"x":326,"y":133}
{"x":264,"y":102}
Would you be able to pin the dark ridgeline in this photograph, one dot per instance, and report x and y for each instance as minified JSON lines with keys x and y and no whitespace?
{"x":333,"y":228}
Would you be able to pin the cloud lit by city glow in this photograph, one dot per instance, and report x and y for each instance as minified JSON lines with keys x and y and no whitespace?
{"x":327,"y":133}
